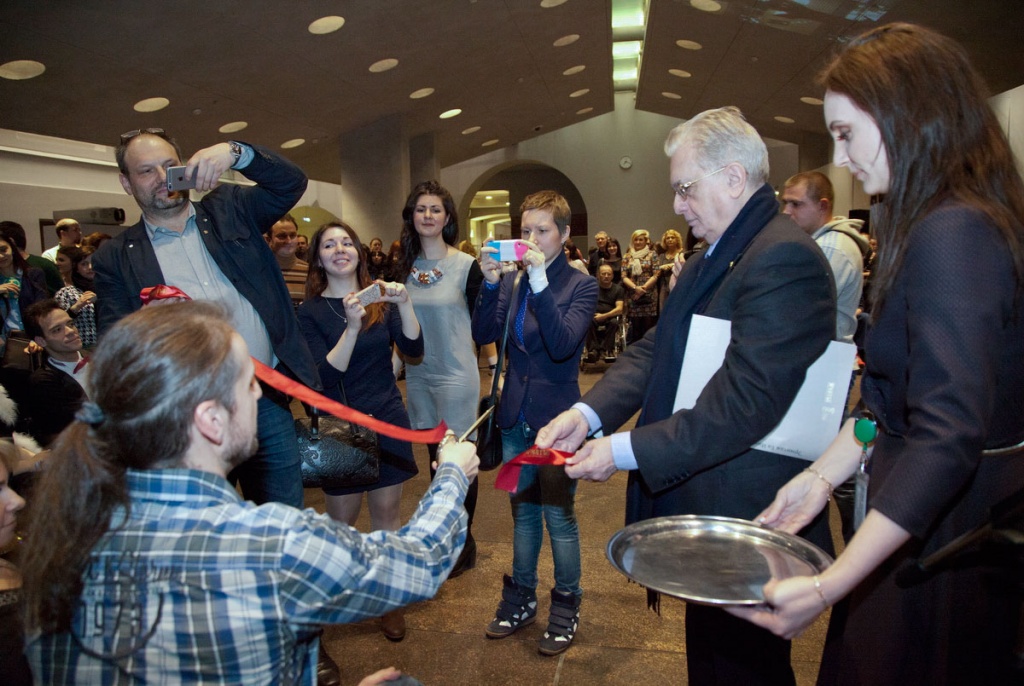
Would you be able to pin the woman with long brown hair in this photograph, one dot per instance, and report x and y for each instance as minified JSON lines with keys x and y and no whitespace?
{"x":443,"y":283}
{"x":944,"y":383}
{"x":352,"y":348}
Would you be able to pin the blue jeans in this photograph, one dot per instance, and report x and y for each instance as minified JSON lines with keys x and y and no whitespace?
{"x":545,"y":494}
{"x":274,"y":473}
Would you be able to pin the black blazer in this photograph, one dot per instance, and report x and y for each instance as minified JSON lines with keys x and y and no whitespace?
{"x":231,"y":220}
{"x":780,"y":298}
{"x":54,"y":398}
{"x":543,"y":375}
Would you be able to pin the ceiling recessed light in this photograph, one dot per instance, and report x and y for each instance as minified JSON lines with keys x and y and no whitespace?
{"x":488,"y":197}
{"x":580,"y":93}
{"x":574,"y":70}
{"x":681,"y":73}
{"x":566,"y":40}
{"x":585,"y":110}
{"x":485,"y":144}
{"x":293,"y":143}
{"x":808,"y":100}
{"x":671,"y":96}
{"x":231,"y":127}
{"x":383,"y":65}
{"x":19,"y":70}
{"x":689,"y":44}
{"x":471,"y":129}
{"x":785,"y":120}
{"x":421,"y":93}
{"x":451,"y":113}
{"x":705,"y":5}
{"x":151,"y":104}
{"x":548,"y":4}
{"x":326,"y":25}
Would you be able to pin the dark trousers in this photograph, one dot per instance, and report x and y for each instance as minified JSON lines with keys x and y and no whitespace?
{"x":725,"y":650}
{"x":601,"y":337}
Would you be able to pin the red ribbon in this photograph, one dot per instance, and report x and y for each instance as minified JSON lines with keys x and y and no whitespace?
{"x":508,"y":475}
{"x":308,"y":395}
{"x":161,"y":292}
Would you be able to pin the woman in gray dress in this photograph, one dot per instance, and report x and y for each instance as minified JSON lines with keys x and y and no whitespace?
{"x":443,"y":283}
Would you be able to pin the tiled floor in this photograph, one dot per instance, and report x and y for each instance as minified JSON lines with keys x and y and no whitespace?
{"x":619,"y":640}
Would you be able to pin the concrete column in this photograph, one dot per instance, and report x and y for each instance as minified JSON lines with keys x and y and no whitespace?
{"x":423,"y":164}
{"x":375,"y":178}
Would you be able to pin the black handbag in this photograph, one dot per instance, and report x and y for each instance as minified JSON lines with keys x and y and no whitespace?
{"x":336,"y":453}
{"x":488,"y":436}
{"x":15,"y":356}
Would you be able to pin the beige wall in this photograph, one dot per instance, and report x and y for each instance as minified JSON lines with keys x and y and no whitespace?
{"x":618,"y":201}
{"x":40,"y":174}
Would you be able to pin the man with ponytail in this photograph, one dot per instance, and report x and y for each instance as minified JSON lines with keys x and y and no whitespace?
{"x":146,"y":565}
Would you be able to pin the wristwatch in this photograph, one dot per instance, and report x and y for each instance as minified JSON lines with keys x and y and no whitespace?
{"x":236,"y":152}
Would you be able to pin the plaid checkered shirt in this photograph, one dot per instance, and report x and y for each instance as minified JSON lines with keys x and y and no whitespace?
{"x":197,"y":586}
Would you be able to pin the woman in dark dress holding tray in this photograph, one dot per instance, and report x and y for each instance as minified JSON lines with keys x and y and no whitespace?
{"x":944,"y":379}
{"x":352,"y":347}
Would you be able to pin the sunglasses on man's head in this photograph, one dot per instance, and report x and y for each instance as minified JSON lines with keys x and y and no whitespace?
{"x":127,"y":136}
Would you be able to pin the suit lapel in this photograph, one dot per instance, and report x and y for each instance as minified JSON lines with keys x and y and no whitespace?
{"x":145,"y":268}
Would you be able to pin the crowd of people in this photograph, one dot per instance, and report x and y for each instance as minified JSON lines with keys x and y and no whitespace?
{"x":170,"y":544}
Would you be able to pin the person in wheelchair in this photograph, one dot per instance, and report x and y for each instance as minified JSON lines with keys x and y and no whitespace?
{"x":607,"y":319}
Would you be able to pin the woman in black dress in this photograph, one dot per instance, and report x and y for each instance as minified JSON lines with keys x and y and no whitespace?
{"x":352,"y":347}
{"x":944,"y":377}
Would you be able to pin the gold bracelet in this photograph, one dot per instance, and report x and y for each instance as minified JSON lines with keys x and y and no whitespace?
{"x":821,"y":593}
{"x":449,"y":437}
{"x":828,"y":485}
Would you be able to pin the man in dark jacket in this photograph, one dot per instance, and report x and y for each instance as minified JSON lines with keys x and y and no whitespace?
{"x":58,"y":388}
{"x":770,"y":280}
{"x":214,"y":249}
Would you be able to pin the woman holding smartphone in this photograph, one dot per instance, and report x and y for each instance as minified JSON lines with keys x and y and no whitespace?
{"x":352,"y":347}
{"x":550,"y":318}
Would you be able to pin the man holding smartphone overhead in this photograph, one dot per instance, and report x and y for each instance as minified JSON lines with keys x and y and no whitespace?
{"x":214,"y":249}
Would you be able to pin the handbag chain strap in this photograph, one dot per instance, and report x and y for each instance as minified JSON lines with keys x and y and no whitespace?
{"x":314,"y":411}
{"x":504,"y":340}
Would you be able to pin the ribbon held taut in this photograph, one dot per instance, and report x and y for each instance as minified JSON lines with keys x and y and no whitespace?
{"x":309,"y":396}
{"x":304,"y":393}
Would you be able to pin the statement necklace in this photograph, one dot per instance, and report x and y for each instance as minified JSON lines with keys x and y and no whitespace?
{"x":428,"y":278}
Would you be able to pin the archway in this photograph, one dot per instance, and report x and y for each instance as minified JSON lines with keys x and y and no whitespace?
{"x":518,"y":179}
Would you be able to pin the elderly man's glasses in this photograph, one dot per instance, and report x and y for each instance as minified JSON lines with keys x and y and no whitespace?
{"x":128,"y":135}
{"x":683,"y":189}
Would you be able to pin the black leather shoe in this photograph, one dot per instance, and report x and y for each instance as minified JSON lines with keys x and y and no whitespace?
{"x":327,"y":672}
{"x":467,"y":558}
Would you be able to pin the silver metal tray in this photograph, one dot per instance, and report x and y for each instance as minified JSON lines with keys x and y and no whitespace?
{"x":711,"y":560}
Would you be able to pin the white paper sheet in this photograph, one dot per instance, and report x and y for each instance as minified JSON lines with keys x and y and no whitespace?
{"x":812,"y":421}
